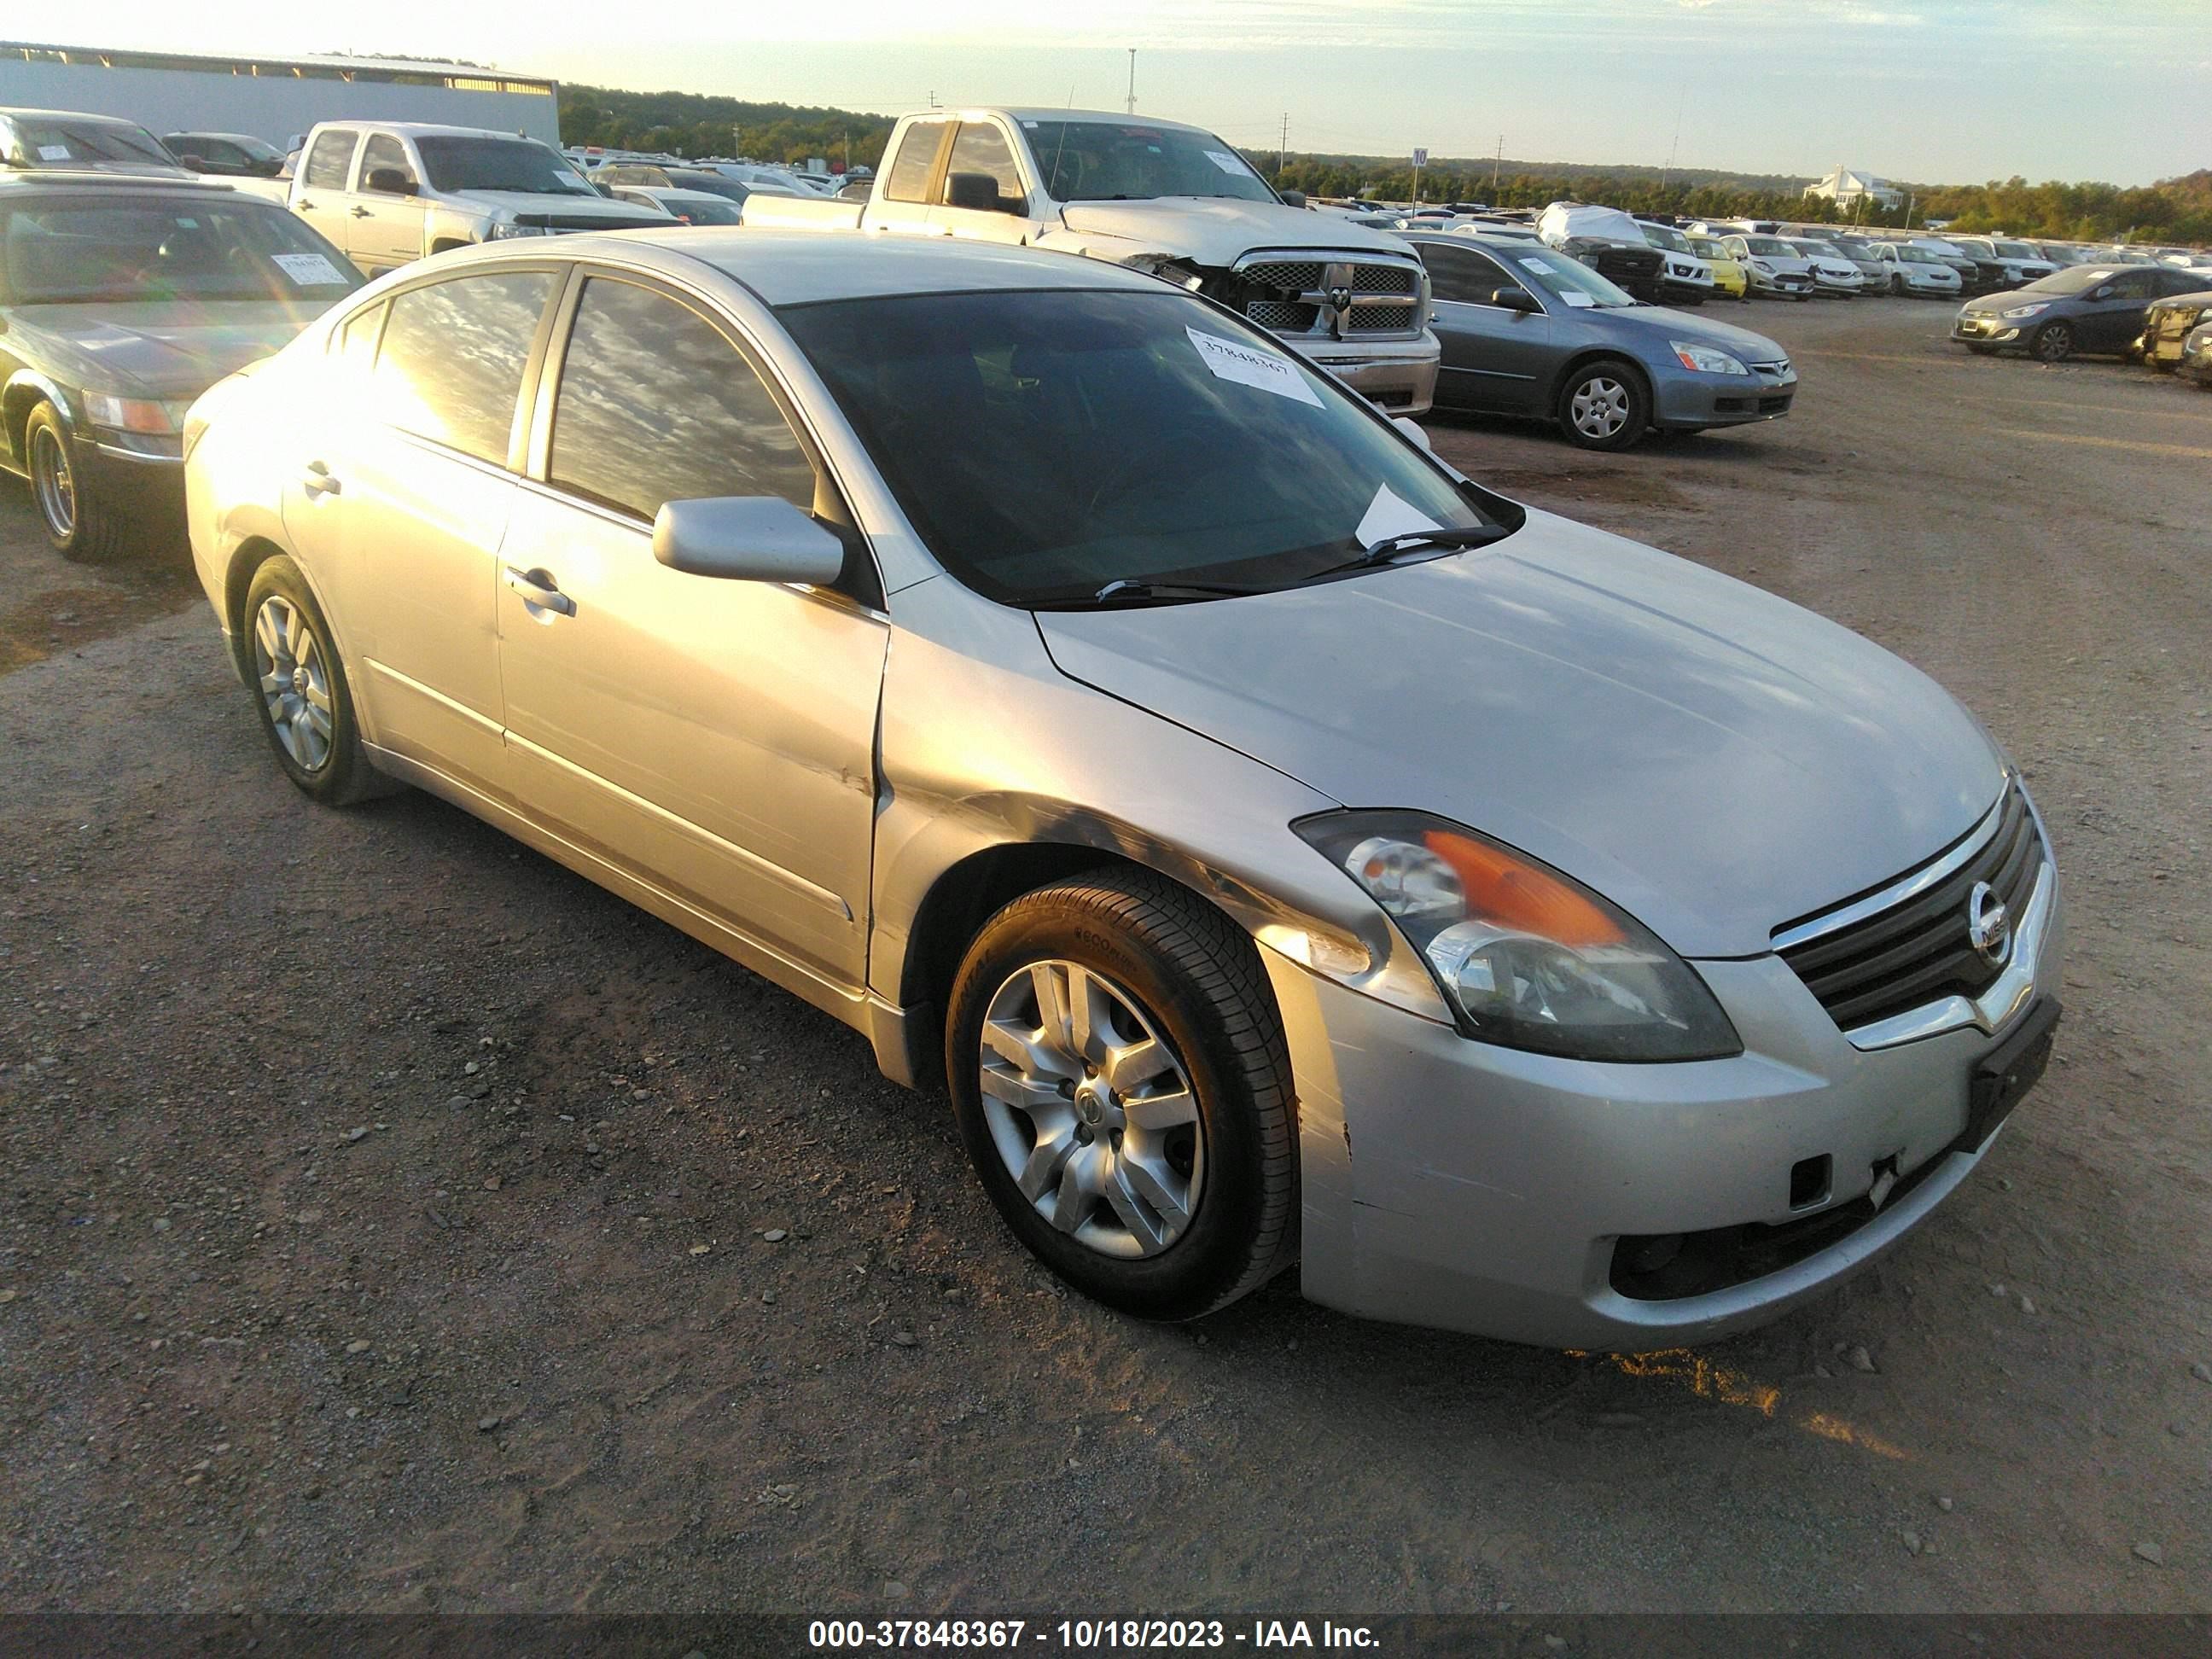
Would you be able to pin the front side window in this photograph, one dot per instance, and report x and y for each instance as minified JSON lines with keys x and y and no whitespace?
{"x":656,"y":405}
{"x":327,"y":162}
{"x":520,"y":165}
{"x":909,"y":179}
{"x":1461,"y":276}
{"x":1129,"y":160}
{"x":1046,"y":445}
{"x":385,"y":152}
{"x":117,"y":249}
{"x":453,"y":353}
{"x":982,"y":148}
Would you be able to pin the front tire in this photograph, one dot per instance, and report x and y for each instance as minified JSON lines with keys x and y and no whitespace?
{"x":1603,"y":406}
{"x":1121,"y":1084}
{"x":73,"y":511}
{"x":299,"y":688}
{"x":2052,"y":343}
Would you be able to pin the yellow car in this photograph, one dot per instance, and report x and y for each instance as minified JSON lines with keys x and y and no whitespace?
{"x":1729,"y":278}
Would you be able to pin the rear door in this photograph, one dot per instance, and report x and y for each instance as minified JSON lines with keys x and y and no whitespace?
{"x":1494,"y":358}
{"x":2112,"y":313}
{"x":326,"y":179}
{"x":713,"y":738}
{"x":911,"y":178}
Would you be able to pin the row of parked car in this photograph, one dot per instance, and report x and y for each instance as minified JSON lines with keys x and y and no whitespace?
{"x":2158,"y":315}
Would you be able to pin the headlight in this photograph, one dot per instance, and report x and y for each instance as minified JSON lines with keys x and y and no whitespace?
{"x":499,"y":233}
{"x":1707,"y":360}
{"x":1526,"y":957}
{"x":1762,"y":267}
{"x":126,"y":414}
{"x":2028,"y":311}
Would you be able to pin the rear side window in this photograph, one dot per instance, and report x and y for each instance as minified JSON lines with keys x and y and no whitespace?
{"x":982,"y":148}
{"x":451,"y":366}
{"x":655,"y":405}
{"x":908,"y":179}
{"x":326,"y":162}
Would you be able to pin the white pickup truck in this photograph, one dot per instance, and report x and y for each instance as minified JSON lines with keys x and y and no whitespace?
{"x":1163,"y":197}
{"x":391,"y":191}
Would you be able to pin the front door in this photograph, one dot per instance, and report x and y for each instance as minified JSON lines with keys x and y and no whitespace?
{"x":1494,"y":358}
{"x":326,"y":177}
{"x":422,"y":495}
{"x":715,"y":737}
{"x":388,"y":224}
{"x":981,"y":151}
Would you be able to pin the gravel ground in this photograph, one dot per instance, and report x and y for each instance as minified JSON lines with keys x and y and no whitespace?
{"x":394,"y":1221}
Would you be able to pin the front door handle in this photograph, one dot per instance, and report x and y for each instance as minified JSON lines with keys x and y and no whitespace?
{"x":539,"y":590}
{"x":319,"y":481}
{"x":362,"y":213}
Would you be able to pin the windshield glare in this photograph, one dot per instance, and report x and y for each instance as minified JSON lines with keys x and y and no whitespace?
{"x":1667,"y":237}
{"x":522,"y":165}
{"x":120,"y":251}
{"x":1767,"y":245}
{"x":65,"y":142}
{"x":1045,"y":444}
{"x":1571,"y":280}
{"x":2074,"y":279}
{"x":1129,"y":161}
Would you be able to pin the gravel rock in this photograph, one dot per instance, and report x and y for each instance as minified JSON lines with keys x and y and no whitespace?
{"x":2150,"y":1553}
{"x":2201,"y":1371}
{"x":775,"y":1235}
{"x":1860,"y":1359}
{"x":906,"y":1339}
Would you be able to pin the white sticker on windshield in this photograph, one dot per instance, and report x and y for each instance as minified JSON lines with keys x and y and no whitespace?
{"x":1535,"y":265}
{"x":1248,"y":366}
{"x":307,"y":269}
{"x":1228,"y":162}
{"x":53,"y":152}
{"x":1576,"y":297}
{"x":1387,"y":516}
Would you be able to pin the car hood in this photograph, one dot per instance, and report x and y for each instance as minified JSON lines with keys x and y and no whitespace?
{"x":1713,"y":759}
{"x":167,"y":349}
{"x":1989,"y":305}
{"x":1794,"y":263}
{"x":594,"y":206}
{"x":1653,"y":326}
{"x":1217,"y":230}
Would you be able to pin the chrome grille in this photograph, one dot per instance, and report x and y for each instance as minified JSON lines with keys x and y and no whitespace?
{"x":1377,"y":317}
{"x":1285,"y":316}
{"x":1382,"y":296}
{"x":1295,"y":277}
{"x":1865,"y":965}
{"x":1381,"y":279}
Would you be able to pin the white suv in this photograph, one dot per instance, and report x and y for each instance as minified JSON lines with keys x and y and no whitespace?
{"x":389,"y":193}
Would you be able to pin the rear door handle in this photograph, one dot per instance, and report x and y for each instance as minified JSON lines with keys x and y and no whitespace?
{"x":538,"y":589}
{"x":319,"y":481}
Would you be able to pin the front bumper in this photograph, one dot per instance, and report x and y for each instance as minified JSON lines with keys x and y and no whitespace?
{"x":1842,"y":286}
{"x":1451,"y":1183}
{"x":1790,"y":282}
{"x":134,"y":474}
{"x":1402,"y":381}
{"x":1686,"y":400}
{"x":1972,"y":328}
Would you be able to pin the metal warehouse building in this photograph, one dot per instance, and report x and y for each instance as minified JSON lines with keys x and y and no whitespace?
{"x":271,"y":97}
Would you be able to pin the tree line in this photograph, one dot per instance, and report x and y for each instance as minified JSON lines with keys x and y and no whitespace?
{"x":697,"y":124}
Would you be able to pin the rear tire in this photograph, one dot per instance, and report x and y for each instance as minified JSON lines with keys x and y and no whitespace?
{"x":1167,"y":1215}
{"x":79,"y":520}
{"x":1602,"y":404}
{"x":301,"y":692}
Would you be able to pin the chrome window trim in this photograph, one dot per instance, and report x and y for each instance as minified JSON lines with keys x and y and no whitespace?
{"x":1997,"y":1007}
{"x":1905,"y":887}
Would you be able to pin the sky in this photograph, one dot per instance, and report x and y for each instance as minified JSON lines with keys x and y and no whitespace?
{"x":1933,"y":91}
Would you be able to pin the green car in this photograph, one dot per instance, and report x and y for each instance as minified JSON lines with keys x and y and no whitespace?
{"x":122,"y":299}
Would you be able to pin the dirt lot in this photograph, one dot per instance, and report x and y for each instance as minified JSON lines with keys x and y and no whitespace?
{"x":389,"y":1212}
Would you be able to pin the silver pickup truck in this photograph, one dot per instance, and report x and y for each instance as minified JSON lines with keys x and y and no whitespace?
{"x":1159,"y":197}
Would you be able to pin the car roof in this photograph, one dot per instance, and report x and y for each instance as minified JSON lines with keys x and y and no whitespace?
{"x":16,"y":113}
{"x":90,"y":182}
{"x":1508,"y":247}
{"x":427,"y":130}
{"x":798,"y":267}
{"x":1111,"y":118}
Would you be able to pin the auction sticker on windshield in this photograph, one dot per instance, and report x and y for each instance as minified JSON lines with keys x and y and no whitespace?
{"x":1230,"y":362}
{"x":1227,"y":162}
{"x":307,"y":269}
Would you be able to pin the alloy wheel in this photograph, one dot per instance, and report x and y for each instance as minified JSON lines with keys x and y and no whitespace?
{"x":1599,"y":408}
{"x":2052,"y":342}
{"x":53,"y":482}
{"x":295,"y":686}
{"x":1091,"y":1110}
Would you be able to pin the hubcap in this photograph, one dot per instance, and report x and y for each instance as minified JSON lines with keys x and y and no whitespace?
{"x":53,"y":482}
{"x":295,"y":689}
{"x":1599,"y":408}
{"x":1091,"y":1110}
{"x":2055,"y":341}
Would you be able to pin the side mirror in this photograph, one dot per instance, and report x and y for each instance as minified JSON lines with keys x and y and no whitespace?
{"x":1415,"y":432}
{"x":1292,"y":198}
{"x":390,"y":181}
{"x":978,"y":192}
{"x":1514,"y":299}
{"x":193,"y":158}
{"x":750,"y":539}
{"x":2104,"y":293}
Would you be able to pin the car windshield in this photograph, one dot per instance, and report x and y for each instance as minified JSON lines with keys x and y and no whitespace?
{"x":520,"y":165}
{"x":1569,"y":280}
{"x":1813,"y":250}
{"x":713,"y":183}
{"x":2074,"y":279}
{"x":1047,"y":444}
{"x":1852,"y":248}
{"x":1668,"y":237}
{"x":1918,"y":256}
{"x":1129,"y":161}
{"x":2016,"y":250}
{"x":1767,"y":245}
{"x":1706,"y":248}
{"x":693,"y":211}
{"x":62,"y":141}
{"x":120,"y":251}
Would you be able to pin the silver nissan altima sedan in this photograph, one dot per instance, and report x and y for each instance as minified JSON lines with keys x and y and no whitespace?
{"x":1286,"y":851}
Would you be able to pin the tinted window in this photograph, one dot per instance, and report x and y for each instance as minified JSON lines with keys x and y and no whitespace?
{"x":383,"y":150}
{"x":1460,"y":274}
{"x":117,"y":246}
{"x":522,"y":165}
{"x":909,"y":176}
{"x":1105,"y":161}
{"x":655,"y":405}
{"x":454,"y":354}
{"x":982,"y":148}
{"x":325,"y":167}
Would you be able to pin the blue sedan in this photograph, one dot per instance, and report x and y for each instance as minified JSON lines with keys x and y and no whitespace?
{"x":1527,"y":331}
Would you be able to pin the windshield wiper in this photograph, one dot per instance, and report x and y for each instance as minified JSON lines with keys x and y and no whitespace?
{"x":1413,"y":541}
{"x":1123,"y":588}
